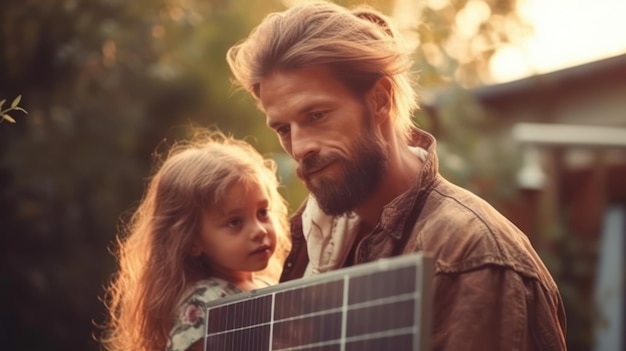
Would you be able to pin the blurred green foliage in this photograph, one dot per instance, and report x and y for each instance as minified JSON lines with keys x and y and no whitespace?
{"x":4,"y":113}
{"x":109,"y":83}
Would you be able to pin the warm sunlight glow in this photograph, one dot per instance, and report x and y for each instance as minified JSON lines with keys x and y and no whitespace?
{"x":471,"y":16}
{"x":566,"y":33}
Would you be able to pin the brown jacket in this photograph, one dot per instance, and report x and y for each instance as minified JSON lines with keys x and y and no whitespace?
{"x":491,"y":289}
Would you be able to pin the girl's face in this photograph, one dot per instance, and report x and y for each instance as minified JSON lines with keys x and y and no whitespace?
{"x":238,"y":236}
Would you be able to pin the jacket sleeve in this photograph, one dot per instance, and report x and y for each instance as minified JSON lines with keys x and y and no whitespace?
{"x":495,"y":308}
{"x":298,"y":258}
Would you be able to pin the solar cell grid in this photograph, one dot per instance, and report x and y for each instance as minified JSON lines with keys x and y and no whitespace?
{"x":320,"y":297}
{"x":254,"y":311}
{"x":376,"y":306}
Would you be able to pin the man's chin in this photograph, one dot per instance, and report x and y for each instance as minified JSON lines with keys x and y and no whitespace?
{"x":331,"y":204}
{"x":316,"y":184}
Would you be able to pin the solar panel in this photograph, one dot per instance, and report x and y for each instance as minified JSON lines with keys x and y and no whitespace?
{"x":382,"y":305}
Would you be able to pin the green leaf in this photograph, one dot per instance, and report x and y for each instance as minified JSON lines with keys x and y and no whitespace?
{"x":20,"y":109}
{"x":8,"y":118}
{"x":2,"y":102}
{"x":16,"y":101}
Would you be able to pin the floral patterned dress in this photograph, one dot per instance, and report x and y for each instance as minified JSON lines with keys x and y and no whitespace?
{"x":189,"y":322}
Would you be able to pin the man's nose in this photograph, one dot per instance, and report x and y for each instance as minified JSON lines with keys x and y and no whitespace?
{"x":303,"y":143}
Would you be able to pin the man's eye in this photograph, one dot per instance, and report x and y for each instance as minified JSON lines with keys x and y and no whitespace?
{"x":317,"y":115}
{"x":282,"y":130}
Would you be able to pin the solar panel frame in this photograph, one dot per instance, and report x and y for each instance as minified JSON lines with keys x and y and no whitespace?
{"x":326,"y":285}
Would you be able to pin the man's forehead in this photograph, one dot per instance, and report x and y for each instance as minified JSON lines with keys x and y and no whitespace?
{"x":305,"y":75}
{"x":297,"y":91}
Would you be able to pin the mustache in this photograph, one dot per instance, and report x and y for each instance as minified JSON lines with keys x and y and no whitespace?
{"x":314,"y":163}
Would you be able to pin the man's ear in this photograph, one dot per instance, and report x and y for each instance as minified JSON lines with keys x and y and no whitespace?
{"x":380,"y":98}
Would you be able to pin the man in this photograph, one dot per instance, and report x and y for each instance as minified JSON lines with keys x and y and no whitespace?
{"x":335,"y":87}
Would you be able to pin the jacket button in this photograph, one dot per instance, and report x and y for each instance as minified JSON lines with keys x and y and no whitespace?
{"x":289,"y":264}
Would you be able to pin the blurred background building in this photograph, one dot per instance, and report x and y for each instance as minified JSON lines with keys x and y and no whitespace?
{"x":570,"y":130}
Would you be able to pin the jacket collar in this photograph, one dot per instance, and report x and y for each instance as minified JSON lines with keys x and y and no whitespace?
{"x":395,"y":214}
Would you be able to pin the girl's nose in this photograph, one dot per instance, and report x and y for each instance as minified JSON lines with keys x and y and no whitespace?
{"x":259,"y":232}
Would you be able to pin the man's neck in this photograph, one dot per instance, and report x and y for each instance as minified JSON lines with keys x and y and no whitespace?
{"x":403,"y":168}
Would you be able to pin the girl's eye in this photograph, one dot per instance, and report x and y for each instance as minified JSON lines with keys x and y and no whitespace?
{"x":264,"y":213}
{"x":234,"y":222}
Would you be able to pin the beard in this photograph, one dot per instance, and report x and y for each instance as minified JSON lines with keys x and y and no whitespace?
{"x":358,"y":179}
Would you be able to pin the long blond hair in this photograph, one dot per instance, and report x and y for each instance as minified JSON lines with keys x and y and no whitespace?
{"x":361,"y":45}
{"x":155,"y":264}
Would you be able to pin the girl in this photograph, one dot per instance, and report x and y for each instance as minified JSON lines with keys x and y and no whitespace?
{"x":211,"y":223}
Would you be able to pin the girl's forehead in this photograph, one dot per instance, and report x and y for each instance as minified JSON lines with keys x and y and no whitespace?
{"x":240,"y":193}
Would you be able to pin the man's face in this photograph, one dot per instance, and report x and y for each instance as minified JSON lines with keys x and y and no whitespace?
{"x":329,"y":132}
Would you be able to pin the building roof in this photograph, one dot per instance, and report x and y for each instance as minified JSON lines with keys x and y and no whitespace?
{"x":605,"y":71}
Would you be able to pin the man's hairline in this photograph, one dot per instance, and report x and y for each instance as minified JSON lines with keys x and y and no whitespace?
{"x":256,"y":87}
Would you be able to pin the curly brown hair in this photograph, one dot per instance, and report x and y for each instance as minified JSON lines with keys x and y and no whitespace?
{"x":153,"y":250}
